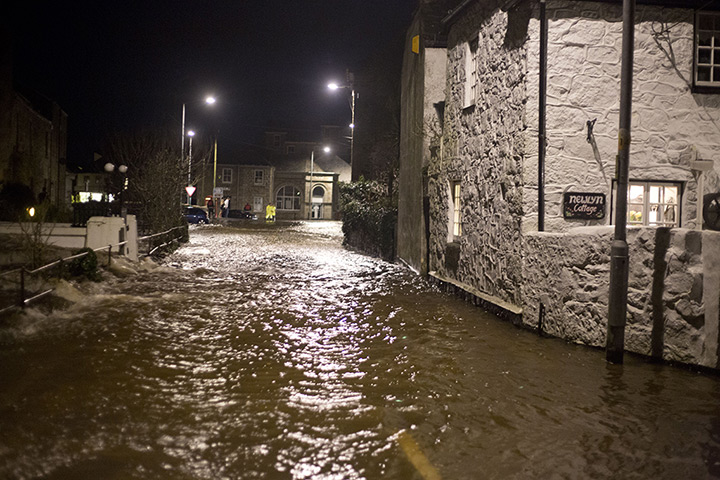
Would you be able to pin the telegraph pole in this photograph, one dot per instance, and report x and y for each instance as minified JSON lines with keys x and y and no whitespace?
{"x":617,"y":304}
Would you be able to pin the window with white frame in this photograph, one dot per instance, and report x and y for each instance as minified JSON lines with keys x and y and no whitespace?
{"x":471,"y":73}
{"x":707,"y":49}
{"x":456,"y":210}
{"x":227,"y":175}
{"x":259,"y":177}
{"x":288,"y":198}
{"x":655,"y":204}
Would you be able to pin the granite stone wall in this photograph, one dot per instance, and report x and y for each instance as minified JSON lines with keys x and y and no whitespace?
{"x":673,"y":290}
{"x":671,"y":125}
{"x":491,"y":149}
{"x":482,"y":149}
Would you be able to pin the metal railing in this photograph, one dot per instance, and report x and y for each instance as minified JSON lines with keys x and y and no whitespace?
{"x":166,"y":238}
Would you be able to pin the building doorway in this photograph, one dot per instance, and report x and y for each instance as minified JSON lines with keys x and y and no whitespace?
{"x":318,"y":195}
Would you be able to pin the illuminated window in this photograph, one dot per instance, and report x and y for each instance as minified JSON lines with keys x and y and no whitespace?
{"x":457,"y":207}
{"x":259,"y":177}
{"x":707,"y":49}
{"x":653,"y":203}
{"x":471,"y":73}
{"x":227,"y":175}
{"x":288,"y":198}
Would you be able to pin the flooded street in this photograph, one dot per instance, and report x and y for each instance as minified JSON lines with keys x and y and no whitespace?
{"x":275,"y":353}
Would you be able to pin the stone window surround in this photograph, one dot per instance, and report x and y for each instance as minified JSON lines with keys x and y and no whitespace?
{"x":667,"y":183}
{"x":227,"y":175}
{"x":711,"y":45}
{"x":471,"y":72}
{"x":455,"y":210}
{"x":259,"y":177}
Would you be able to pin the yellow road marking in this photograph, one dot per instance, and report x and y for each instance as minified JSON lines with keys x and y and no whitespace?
{"x":416,"y":456}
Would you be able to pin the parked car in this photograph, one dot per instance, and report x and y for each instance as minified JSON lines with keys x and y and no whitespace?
{"x":242,"y":214}
{"x":195,"y":215}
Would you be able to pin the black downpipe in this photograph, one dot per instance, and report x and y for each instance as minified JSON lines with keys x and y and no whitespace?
{"x":619,"y":258}
{"x":542,"y":142}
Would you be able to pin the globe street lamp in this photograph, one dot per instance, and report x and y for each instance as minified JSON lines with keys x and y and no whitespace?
{"x":351,"y":85}
{"x":109,"y":168}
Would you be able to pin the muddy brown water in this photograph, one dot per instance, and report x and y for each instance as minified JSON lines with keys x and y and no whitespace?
{"x":275,"y":353}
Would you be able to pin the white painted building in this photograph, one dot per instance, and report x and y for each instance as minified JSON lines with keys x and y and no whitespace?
{"x":483,"y":183}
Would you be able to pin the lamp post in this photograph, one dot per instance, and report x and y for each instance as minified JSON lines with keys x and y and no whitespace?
{"x":122,"y":168}
{"x":190,"y":134}
{"x":217,"y":207}
{"x":351,"y":85}
{"x":312,"y":172}
{"x":209,"y":100}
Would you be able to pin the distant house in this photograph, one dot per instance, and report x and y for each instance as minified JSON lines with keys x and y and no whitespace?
{"x":295,"y":175}
{"x":470,"y":155}
{"x":33,"y":139}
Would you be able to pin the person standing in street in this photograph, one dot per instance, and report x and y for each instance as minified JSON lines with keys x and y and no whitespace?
{"x":211,"y":207}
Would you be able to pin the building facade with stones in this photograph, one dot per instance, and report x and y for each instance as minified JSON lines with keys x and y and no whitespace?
{"x":33,"y":139}
{"x":296,"y":176}
{"x":482,"y":171}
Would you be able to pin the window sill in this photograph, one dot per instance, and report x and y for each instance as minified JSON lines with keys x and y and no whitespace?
{"x":706,"y":89}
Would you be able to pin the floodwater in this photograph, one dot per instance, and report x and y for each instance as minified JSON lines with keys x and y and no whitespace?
{"x":275,"y":353}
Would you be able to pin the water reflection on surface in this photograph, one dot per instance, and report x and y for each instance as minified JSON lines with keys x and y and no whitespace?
{"x":276,"y":353}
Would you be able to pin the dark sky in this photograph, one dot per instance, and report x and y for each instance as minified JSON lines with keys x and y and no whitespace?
{"x":115,"y":65}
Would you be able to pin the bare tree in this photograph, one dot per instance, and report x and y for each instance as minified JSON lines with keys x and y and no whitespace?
{"x":154,"y":177}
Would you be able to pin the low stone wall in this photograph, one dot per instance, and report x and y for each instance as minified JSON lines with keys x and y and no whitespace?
{"x":673,"y":290}
{"x":100,"y":232}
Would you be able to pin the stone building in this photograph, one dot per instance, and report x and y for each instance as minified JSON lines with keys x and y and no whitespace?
{"x":297,"y":176}
{"x":484,"y":194}
{"x":33,"y":138}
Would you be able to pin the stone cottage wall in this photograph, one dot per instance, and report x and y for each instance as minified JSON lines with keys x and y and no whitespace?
{"x":671,"y":126}
{"x":673,"y":293}
{"x":482,"y":148}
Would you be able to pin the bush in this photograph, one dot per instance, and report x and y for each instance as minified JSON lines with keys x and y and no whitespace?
{"x":369,"y":217}
{"x":85,"y":266}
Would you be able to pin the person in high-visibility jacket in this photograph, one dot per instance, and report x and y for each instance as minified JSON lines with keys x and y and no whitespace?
{"x":270,"y":213}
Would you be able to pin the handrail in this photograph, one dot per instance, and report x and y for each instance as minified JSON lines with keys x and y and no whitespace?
{"x":22,"y":270}
{"x":10,"y":272}
{"x":158,"y":234}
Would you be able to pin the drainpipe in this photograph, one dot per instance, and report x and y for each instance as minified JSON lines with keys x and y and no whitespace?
{"x":617,"y":305}
{"x":542,"y":141}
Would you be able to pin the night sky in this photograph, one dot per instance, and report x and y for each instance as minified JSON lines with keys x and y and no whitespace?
{"x":129,"y":65}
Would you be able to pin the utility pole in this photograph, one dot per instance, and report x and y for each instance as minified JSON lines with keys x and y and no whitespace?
{"x":617,"y":304}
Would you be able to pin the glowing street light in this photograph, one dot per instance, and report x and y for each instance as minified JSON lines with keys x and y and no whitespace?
{"x":209,"y":100}
{"x":190,"y":134}
{"x":122,"y":168}
{"x":351,"y":85}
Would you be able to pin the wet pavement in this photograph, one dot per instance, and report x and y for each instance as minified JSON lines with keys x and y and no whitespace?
{"x":259,"y":352}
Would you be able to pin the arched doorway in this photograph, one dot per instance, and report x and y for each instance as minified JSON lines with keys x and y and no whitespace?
{"x":318,"y":196}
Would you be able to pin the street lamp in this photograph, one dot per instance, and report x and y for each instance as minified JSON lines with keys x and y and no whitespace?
{"x":190,"y":134}
{"x":109,"y":168}
{"x":209,"y":100}
{"x":351,"y":85}
{"x":312,"y":172}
